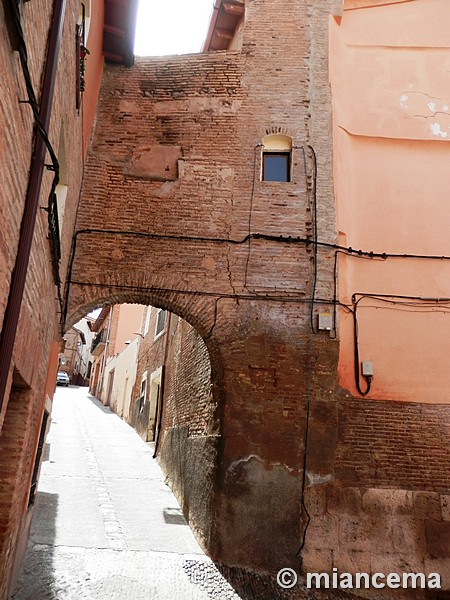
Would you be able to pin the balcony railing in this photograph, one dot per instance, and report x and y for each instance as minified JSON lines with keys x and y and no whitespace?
{"x":99,"y":343}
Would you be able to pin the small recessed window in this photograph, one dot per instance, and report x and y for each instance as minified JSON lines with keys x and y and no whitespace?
{"x":276,"y":166}
{"x":160,"y":322}
{"x":143,"y":393}
{"x":276,"y":158}
{"x":147,"y":314}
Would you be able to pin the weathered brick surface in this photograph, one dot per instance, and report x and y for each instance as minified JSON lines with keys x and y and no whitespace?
{"x":188,"y":396}
{"x":187,"y":441}
{"x":39,"y":320}
{"x":393,"y":444}
{"x":250,"y":301}
{"x":213,"y":110}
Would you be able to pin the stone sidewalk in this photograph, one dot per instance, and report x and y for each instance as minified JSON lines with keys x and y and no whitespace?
{"x":105,"y":525}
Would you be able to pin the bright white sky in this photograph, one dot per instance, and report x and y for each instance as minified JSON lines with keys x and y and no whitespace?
{"x":171,"y":26}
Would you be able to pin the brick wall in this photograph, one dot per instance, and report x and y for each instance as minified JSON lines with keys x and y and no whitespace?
{"x":188,"y":448}
{"x":188,"y":399}
{"x":377,"y":488}
{"x":175,"y":160}
{"x":393,"y":444}
{"x":39,"y":319}
{"x":210,"y":113}
{"x":177,"y":152}
{"x":186,"y":442}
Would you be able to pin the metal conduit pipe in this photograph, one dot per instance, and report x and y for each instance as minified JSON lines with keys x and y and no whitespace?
{"x":18,"y":278}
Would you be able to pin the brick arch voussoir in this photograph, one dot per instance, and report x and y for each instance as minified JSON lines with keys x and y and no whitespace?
{"x":199,"y":311}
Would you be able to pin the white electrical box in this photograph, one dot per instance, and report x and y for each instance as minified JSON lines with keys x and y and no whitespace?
{"x":325,"y":321}
{"x":367,"y":368}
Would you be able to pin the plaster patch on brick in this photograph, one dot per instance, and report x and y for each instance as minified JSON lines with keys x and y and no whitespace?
{"x":318,"y":478}
{"x":156,"y":161}
{"x":127,"y":106}
{"x":254,"y":470}
{"x":235,"y":464}
{"x":445,"y":507}
{"x":168,"y":187}
{"x":209,"y":263}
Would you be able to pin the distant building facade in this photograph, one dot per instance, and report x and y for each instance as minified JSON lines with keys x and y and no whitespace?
{"x":114,"y":327}
{"x":76,"y":359}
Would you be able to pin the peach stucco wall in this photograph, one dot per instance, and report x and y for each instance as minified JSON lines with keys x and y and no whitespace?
{"x":94,"y":67}
{"x":390,"y":77}
{"x":129,"y":322}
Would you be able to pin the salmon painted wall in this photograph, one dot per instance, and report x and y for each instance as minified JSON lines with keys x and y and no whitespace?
{"x":129,"y":321}
{"x":389,"y":70}
{"x":94,"y":67}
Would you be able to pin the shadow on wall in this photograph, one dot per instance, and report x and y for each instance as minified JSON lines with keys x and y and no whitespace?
{"x":36,"y":579}
{"x":106,"y":410}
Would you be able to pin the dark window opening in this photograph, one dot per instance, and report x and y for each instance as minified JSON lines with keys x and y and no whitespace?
{"x":160,"y":322}
{"x":37,"y":461}
{"x":276,"y":166}
{"x":142,"y":395}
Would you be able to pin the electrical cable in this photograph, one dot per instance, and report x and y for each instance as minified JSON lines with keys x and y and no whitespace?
{"x":309,"y":355}
{"x":216,"y":308}
{"x":278,"y":239}
{"x":250,"y":212}
{"x":387,"y":298}
{"x":219,"y":295}
{"x":315,"y":236}
{"x":333,"y":332}
{"x":159,"y":416}
{"x":368,"y":378}
{"x":305,"y":446}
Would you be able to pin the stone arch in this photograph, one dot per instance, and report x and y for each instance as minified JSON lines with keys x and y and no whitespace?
{"x":195,"y":480}
{"x":200,"y":314}
{"x":194,"y":310}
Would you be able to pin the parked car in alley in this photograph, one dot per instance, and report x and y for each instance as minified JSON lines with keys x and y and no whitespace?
{"x":62,"y":379}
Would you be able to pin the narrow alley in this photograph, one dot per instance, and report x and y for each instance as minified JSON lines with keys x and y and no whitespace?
{"x":106,"y":526}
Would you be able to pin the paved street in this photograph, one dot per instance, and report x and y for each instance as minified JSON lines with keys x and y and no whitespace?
{"x":106,"y":526}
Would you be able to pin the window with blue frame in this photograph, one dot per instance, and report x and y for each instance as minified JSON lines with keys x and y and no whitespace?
{"x":276,"y":166}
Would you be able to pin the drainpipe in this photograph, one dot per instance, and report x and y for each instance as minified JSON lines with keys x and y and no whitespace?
{"x":160,"y":399}
{"x":18,"y":278}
